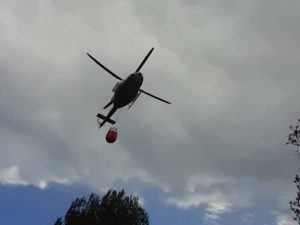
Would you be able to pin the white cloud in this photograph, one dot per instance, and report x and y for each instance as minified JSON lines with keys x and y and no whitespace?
{"x":215,"y":204}
{"x":284,"y":219}
{"x":219,"y":207}
{"x":42,"y":184}
{"x":11,"y":176}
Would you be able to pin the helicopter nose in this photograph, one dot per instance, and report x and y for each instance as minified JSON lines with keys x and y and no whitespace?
{"x":139,"y":76}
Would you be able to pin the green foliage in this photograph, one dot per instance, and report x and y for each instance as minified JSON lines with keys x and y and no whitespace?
{"x":295,"y":204}
{"x":115,"y":208}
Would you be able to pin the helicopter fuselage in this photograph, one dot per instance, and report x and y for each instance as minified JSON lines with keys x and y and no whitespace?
{"x":127,"y":90}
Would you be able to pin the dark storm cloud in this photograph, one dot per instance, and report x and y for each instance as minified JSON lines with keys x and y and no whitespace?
{"x":229,"y":68}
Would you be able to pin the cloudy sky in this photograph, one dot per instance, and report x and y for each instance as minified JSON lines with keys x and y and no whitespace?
{"x":217,"y":155}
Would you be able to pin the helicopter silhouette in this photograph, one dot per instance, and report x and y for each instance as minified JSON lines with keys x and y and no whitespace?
{"x":126,"y":91}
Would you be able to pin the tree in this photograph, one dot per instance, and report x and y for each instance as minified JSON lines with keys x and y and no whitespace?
{"x":295,"y":204}
{"x":58,"y":222}
{"x":115,"y":208}
{"x":294,"y":139}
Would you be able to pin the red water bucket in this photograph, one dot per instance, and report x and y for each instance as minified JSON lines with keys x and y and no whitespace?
{"x":111,"y":135}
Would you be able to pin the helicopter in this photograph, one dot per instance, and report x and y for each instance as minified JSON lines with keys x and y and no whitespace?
{"x":126,"y":91}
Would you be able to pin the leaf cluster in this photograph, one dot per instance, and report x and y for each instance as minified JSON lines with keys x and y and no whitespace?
{"x":294,"y":137}
{"x":295,"y":204}
{"x":115,"y":208}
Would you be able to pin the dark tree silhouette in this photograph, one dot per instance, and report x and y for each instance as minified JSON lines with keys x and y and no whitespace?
{"x":294,"y":137}
{"x":295,"y":204}
{"x":115,"y":208}
{"x":58,"y":222}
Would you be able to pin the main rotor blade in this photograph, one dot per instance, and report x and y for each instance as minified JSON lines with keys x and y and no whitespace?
{"x":145,"y":59}
{"x":103,"y":67}
{"x":153,"y":96}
